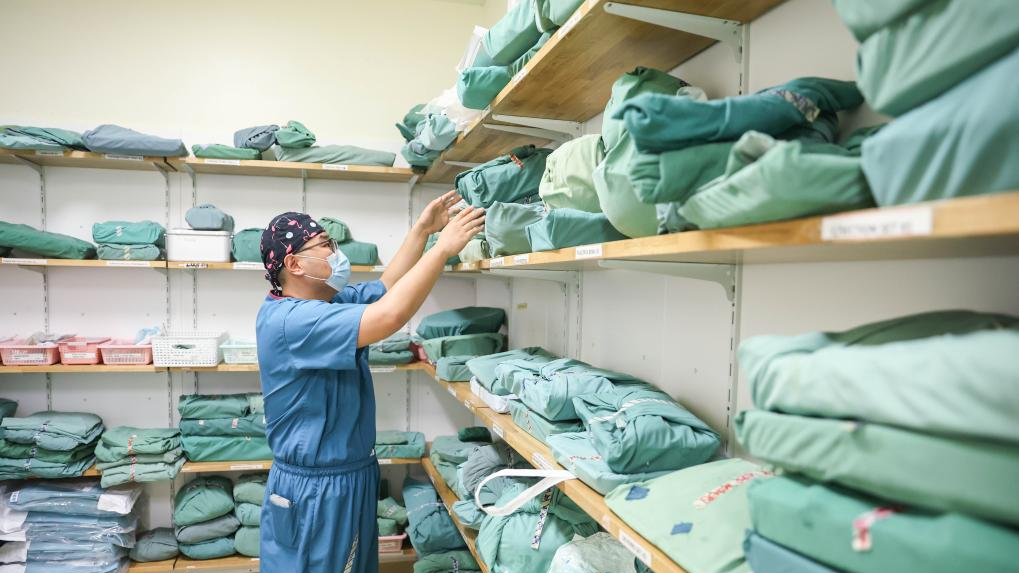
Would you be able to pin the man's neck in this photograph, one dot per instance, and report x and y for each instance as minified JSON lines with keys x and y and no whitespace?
{"x":309,"y":292}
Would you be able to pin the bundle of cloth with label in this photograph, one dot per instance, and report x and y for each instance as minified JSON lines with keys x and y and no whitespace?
{"x":359,"y":253}
{"x":494,"y":390}
{"x":396,"y":444}
{"x":258,"y":138}
{"x":429,"y":526}
{"x":447,"y":453}
{"x":117,"y":140}
{"x":129,"y":241}
{"x":506,"y":227}
{"x":478,"y":85}
{"x":245,"y":245}
{"x":511,"y":178}
{"x":208,"y":217}
{"x":453,"y":368}
{"x":69,"y":525}
{"x":432,"y":134}
{"x":127,"y":454}
{"x":468,"y":331}
{"x":902,"y":430}
{"x":447,"y":562}
{"x":204,"y":519}
{"x":216,"y":428}
{"x":391,"y":351}
{"x":249,"y":493}
{"x":29,"y":138}
{"x":224,"y":152}
{"x":158,"y":544}
{"x":48,"y":444}
{"x":27,"y":241}
{"x":391,"y":516}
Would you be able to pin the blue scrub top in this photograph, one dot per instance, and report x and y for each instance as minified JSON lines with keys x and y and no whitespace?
{"x":319,"y":399}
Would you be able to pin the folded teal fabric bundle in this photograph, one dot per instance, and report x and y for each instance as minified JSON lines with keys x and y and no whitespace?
{"x":432,"y":240}
{"x":260,"y":137}
{"x":114,"y":139}
{"x":408,"y":127}
{"x":221,"y":526}
{"x":169,"y":457}
{"x":335,"y":154}
{"x":212,"y":549}
{"x":483,"y":367}
{"x":453,"y":368}
{"x":765,"y":556}
{"x":53,"y":430}
{"x":337,"y":229}
{"x":539,"y":427}
{"x":294,"y":136}
{"x":246,"y":246}
{"x":129,"y":252}
{"x":249,"y":514}
{"x":208,"y":406}
{"x":429,"y":526}
{"x":395,"y":358}
{"x":568,"y":181}
{"x":359,"y":253}
{"x":123,"y":441}
{"x":217,"y":151}
{"x":246,"y":541}
{"x":395,"y":343}
{"x":550,"y":14}
{"x":16,"y":468}
{"x":458,"y":321}
{"x":44,"y":243}
{"x":250,"y":425}
{"x":509,"y":178}
{"x":226,"y":449}
{"x":506,"y":227}
{"x":208,"y":217}
{"x":7,"y":408}
{"x":129,"y":233}
{"x":389,"y":508}
{"x":512,"y":35}
{"x":477,"y":344}
{"x":40,"y":138}
{"x":158,"y":544}
{"x":574,"y":451}
{"x":563,"y":228}
{"x":640,"y":80}
{"x":417,"y":155}
{"x":202,"y":499}
{"x":412,"y":448}
{"x":26,"y":451}
{"x":250,"y":488}
{"x":477,"y":86}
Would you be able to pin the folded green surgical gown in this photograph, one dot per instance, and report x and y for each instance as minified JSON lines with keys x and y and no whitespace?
{"x":226,"y":449}
{"x":429,"y":526}
{"x":413,"y":447}
{"x":417,"y":155}
{"x":53,"y":430}
{"x":477,"y":86}
{"x":925,"y":52}
{"x":129,"y":233}
{"x":512,"y":35}
{"x":218,"y":151}
{"x":849,"y":531}
{"x":553,"y":397}
{"x":40,"y":138}
{"x":7,"y":408}
{"x":453,"y":368}
{"x":158,"y":544}
{"x":208,"y":217}
{"x":360,"y":253}
{"x":466,"y":320}
{"x":294,"y":136}
{"x":122,"y":441}
{"x":168,"y":457}
{"x":395,"y":343}
{"x":21,"y":468}
{"x":245,"y":246}
{"x":432,"y":240}
{"x":387,"y":527}
{"x":250,"y":425}
{"x":221,"y":526}
{"x":212,"y":549}
{"x":24,"y":451}
{"x":129,"y":252}
{"x":568,"y":181}
{"x":944,"y":372}
{"x":379,"y":358}
{"x":44,"y":243}
{"x":202,"y":499}
{"x":142,"y":472}
{"x":337,"y":229}
{"x":539,"y":427}
{"x":447,"y":562}
{"x":550,"y":14}
{"x":972,"y":137}
{"x":508,"y":178}
{"x":408,"y":127}
{"x":260,"y":137}
{"x":594,"y":554}
{"x":923,"y":470}
{"x":506,"y":227}
{"x":208,"y":406}
{"x":483,"y":367}
{"x":249,"y":514}
{"x":453,"y":450}
{"x":563,"y":228}
{"x":697,"y":516}
{"x":389,"y":508}
{"x":766,"y":556}
{"x":336,"y":154}
{"x":640,"y":80}
{"x":246,"y":541}
{"x":476,"y":344}
{"x":574,"y":451}
{"x":624,"y":211}
{"x":250,"y":488}
{"x":639,"y":429}
{"x":114,"y":139}
{"x":485,"y":461}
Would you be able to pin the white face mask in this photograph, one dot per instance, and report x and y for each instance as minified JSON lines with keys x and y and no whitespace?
{"x":339,"y":265}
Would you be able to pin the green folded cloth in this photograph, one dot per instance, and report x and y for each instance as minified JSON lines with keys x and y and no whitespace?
{"x":476,"y":344}
{"x":466,"y":320}
{"x":226,"y":449}
{"x":417,"y":155}
{"x":246,"y":246}
{"x":413,"y":447}
{"x":618,"y":200}
{"x":506,"y":227}
{"x":389,"y":508}
{"x":53,"y":430}
{"x":629,"y":85}
{"x":202,"y":499}
{"x":40,"y":138}
{"x":142,"y":473}
{"x":212,"y":549}
{"x":390,"y":437}
{"x":408,"y":127}
{"x":539,"y":427}
{"x":250,"y":425}
{"x":509,"y":178}
{"x":387,"y":527}
{"x":477,"y":86}
{"x":476,"y":250}
{"x":512,"y":35}
{"x":295,"y":135}
{"x":17,"y":468}
{"x":250,"y":488}
{"x":208,"y":406}
{"x":217,"y":151}
{"x":260,"y":137}
{"x":675,"y":175}
{"x":551,"y":14}
{"x":7,"y":408}
{"x":919,"y":469}
{"x":129,"y":233}
{"x":336,"y":154}
{"x":249,"y":514}
{"x":453,"y":450}
{"x":337,"y":229}
{"x":122,"y":441}
{"x":765,"y":556}
{"x":246,"y":541}
{"x":453,"y":368}
{"x":568,"y":181}
{"x":129,"y":252}
{"x":208,"y":217}
{"x":474,"y":434}
{"x":365,"y":254}
{"x":158,"y":544}
{"x":575,"y":452}
{"x":483,"y":367}
{"x":563,"y":228}
{"x":853,"y":532}
{"x":447,"y":562}
{"x":221,"y":526}
{"x":167,"y":457}
{"x":395,"y":343}
{"x":43,"y":243}
{"x":10,"y":449}
{"x":380,"y":358}
{"x":434,"y":238}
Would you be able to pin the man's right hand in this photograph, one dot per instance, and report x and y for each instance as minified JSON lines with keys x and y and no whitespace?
{"x":460,"y":230}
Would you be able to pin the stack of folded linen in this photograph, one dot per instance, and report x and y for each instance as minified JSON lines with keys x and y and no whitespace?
{"x":391,"y":351}
{"x":249,"y":494}
{"x":126,"y":454}
{"x":158,"y":544}
{"x":49,"y":445}
{"x":395,"y":444}
{"x":204,"y":519}
{"x":129,"y":241}
{"x":220,"y":428}
{"x":464,"y":331}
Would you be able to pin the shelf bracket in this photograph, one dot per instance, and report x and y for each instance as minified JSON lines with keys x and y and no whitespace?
{"x":723,"y":275}
{"x":162,"y":171}
{"x":466,"y":164}
{"x":729,"y":32}
{"x":561,"y":277}
{"x":552,"y":129}
{"x":30,"y":164}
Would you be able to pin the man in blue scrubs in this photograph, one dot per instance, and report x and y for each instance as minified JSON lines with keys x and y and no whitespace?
{"x":313,"y":330}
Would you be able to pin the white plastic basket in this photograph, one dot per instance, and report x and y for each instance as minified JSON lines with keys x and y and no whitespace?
{"x":187,"y":348}
{"x":239,"y":351}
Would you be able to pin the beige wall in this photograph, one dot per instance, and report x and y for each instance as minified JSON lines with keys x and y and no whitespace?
{"x":347,"y":69}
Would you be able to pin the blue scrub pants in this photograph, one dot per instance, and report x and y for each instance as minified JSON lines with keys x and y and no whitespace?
{"x":330,"y":525}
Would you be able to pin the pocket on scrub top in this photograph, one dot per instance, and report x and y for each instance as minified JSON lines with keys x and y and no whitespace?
{"x":285,"y":520}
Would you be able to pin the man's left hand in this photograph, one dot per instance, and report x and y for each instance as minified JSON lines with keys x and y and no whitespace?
{"x":436,"y":214}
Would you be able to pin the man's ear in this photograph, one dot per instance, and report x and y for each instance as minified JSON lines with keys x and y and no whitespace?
{"x":291,"y":266}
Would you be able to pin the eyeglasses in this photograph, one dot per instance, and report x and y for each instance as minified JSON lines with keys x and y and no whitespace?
{"x":331,"y":243}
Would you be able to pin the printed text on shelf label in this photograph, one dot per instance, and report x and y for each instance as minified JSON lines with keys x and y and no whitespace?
{"x":904,"y":222}
{"x":588,"y":251}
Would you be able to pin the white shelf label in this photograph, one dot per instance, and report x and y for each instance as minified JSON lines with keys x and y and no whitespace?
{"x":122,"y":157}
{"x":519,"y":76}
{"x":36,"y":262}
{"x":907,"y":222}
{"x":334,"y":167}
{"x":497,"y":262}
{"x":128,"y":264}
{"x":249,"y":266}
{"x":497,"y":430}
{"x":450,"y":389}
{"x":194,"y":265}
{"x":447,"y":268}
{"x":222,"y":161}
{"x":606,"y":522}
{"x":521,"y":259}
{"x":587,"y":252}
{"x":382,"y":369}
{"x":569,"y":24}
{"x":635,"y":547}
{"x":50,"y":153}
{"x":540,"y":462}
{"x":468,"y":405}
{"x":80,"y":355}
{"x":385,"y":461}
{"x":379,"y":268}
{"x":235,"y":467}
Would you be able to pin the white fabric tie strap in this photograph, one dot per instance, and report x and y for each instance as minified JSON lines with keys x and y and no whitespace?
{"x":550,"y":478}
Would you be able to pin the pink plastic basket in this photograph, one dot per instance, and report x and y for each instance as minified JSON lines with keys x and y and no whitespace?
{"x":18,"y":352}
{"x":121,"y":351}
{"x":419,"y":351}
{"x":391,"y":543}
{"x":81,"y":349}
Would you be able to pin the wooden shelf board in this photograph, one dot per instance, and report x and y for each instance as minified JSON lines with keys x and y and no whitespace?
{"x":294,"y":169}
{"x":152,"y":567}
{"x":265,"y":465}
{"x":26,"y":262}
{"x":448,"y":499}
{"x":86,"y":159}
{"x":226,"y":564}
{"x":84,"y":368}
